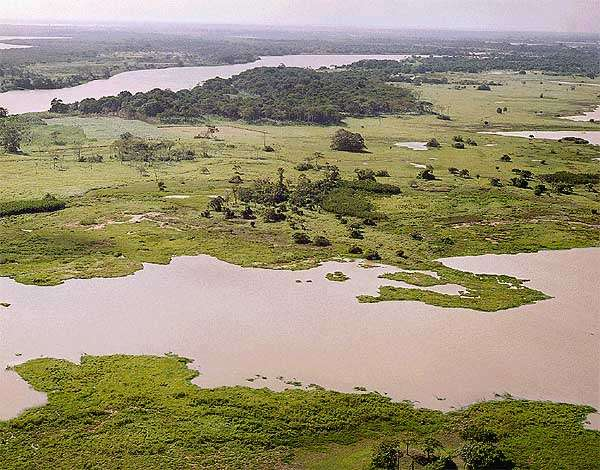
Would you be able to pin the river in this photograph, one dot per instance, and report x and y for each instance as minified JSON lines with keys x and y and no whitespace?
{"x":238,"y":322}
{"x":176,"y":78}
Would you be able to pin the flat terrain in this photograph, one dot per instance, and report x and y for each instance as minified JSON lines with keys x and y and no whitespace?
{"x":143,"y":411}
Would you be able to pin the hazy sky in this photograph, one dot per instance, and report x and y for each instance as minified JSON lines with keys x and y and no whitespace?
{"x":537,"y":15}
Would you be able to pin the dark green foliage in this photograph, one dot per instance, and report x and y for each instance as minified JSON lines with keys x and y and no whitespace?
{"x":266,"y":93}
{"x":273,"y":215}
{"x":301,"y":238}
{"x":426,"y":174}
{"x":32,"y":206}
{"x":571,"y":178}
{"x":386,"y":455}
{"x":347,"y":141}
{"x":382,"y":174}
{"x":495,"y":182}
{"x":483,"y":456}
{"x":574,"y":140}
{"x":539,"y":189}
{"x":321,"y":241}
{"x":458,"y":145}
{"x":505,"y":158}
{"x":248,"y":214}
{"x":216,"y":204}
{"x":131,"y":148}
{"x":365,"y":174}
{"x":348,"y":202}
{"x":355,"y":250}
{"x":373,"y":256}
{"x":371,"y":186}
{"x":304,"y":166}
{"x":13,"y":131}
{"x":519,"y":182}
{"x":433,"y":143}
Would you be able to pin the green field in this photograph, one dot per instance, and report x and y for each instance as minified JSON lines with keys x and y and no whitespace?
{"x":116,"y":217}
{"x":143,"y":412}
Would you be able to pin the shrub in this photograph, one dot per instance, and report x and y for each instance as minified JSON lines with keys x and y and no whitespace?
{"x":482,"y":456}
{"x":433,"y":143}
{"x":373,"y":256}
{"x":216,"y":204}
{"x":382,"y":174}
{"x":321,"y":241}
{"x":505,"y":158}
{"x":301,"y":238}
{"x":304,"y":166}
{"x":347,"y":202}
{"x":365,"y":174}
{"x":458,"y":145}
{"x":373,"y":187}
{"x":248,"y":214}
{"x":31,"y":206}
{"x":539,"y":190}
{"x":347,"y":141}
{"x":519,"y":182}
{"x":495,"y":182}
{"x":426,"y":174}
{"x":268,"y":148}
{"x":272,"y":215}
{"x":355,"y":250}
{"x":386,"y":455}
{"x":236,"y":179}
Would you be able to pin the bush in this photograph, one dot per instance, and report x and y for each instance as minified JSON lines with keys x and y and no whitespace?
{"x":347,"y":202}
{"x":373,"y":256}
{"x":268,"y":148}
{"x":382,"y":174}
{"x":248,"y":214}
{"x":495,"y":182}
{"x":433,"y":143}
{"x":539,"y":190}
{"x":216,"y":204}
{"x":321,"y":241}
{"x":236,"y":179}
{"x":482,"y":456}
{"x":458,"y":145}
{"x":347,"y":141}
{"x":505,"y":158}
{"x":426,"y":174}
{"x":355,"y":250}
{"x":272,"y":216}
{"x":31,"y":206}
{"x":365,"y":174}
{"x":301,"y":238}
{"x":373,"y":187}
{"x":519,"y":182}
{"x":304,"y":166}
{"x":386,"y":455}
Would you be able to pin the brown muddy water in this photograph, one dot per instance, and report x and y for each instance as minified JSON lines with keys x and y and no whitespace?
{"x":238,"y":322}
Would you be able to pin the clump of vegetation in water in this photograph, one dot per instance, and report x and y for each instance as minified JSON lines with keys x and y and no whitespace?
{"x":144,"y":412}
{"x":485,"y":292}
{"x":337,"y":276}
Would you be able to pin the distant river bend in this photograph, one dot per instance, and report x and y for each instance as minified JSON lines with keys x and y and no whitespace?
{"x":175,"y":78}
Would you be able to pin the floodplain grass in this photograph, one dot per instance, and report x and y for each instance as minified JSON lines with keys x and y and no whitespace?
{"x":144,"y":412}
{"x":453,"y":216}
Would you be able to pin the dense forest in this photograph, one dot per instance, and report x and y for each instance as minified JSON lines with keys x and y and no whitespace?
{"x":89,"y":54}
{"x":282,"y":94}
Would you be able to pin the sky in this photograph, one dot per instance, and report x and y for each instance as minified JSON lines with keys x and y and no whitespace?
{"x":477,"y":15}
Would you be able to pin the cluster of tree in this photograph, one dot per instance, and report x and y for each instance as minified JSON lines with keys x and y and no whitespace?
{"x":267,"y":93}
{"x":13,"y":131}
{"x":552,"y":58}
{"x":131,"y":148}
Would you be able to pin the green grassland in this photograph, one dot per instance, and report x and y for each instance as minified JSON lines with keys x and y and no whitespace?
{"x":143,"y":412}
{"x":116,"y":217}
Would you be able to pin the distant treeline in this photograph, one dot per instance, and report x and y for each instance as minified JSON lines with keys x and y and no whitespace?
{"x":554,"y":59}
{"x":269,"y":93}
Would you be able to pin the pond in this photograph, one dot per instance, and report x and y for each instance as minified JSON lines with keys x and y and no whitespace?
{"x":238,"y":322}
{"x":176,"y":78}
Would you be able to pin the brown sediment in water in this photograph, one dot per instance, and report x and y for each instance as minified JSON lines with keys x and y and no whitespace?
{"x":239,"y":322}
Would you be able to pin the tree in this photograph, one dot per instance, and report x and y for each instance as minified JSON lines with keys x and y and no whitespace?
{"x":433,"y":143}
{"x":12,"y":134}
{"x":430,"y":445}
{"x":347,"y":141}
{"x":482,"y":456}
{"x":499,"y":110}
{"x":365,"y":174}
{"x":3,"y":112}
{"x":301,"y":238}
{"x":387,"y":455}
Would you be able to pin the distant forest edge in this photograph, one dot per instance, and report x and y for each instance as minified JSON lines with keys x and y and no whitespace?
{"x":281,"y":94}
{"x":90,"y":55}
